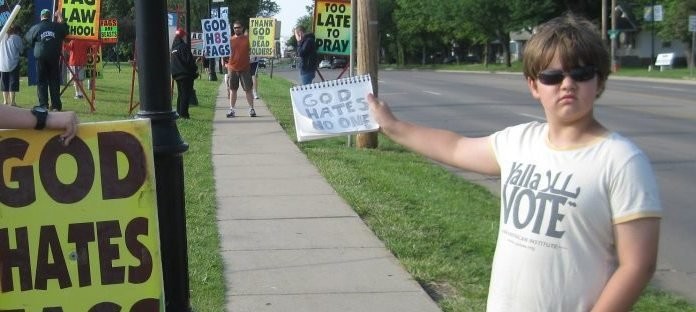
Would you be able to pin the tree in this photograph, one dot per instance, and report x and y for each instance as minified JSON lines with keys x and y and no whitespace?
{"x":417,"y":26}
{"x":267,"y":8}
{"x":675,"y":23}
{"x":422,"y":25}
{"x":306,"y":21}
{"x":387,"y":30}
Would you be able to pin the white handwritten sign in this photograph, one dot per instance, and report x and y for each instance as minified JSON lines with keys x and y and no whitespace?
{"x":332,"y":108}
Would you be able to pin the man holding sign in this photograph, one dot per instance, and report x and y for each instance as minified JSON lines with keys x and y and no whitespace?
{"x":238,"y":69}
{"x":46,"y":38}
{"x":307,"y":51}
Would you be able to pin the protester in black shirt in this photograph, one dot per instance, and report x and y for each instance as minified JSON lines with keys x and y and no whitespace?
{"x":46,"y":38}
{"x":184,"y":71}
{"x":307,"y":51}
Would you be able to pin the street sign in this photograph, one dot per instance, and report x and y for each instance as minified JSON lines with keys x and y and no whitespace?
{"x":664,"y":59}
{"x":692,"y":23}
{"x":650,"y":10}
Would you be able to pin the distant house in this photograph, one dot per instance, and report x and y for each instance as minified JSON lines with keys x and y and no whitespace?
{"x":635,"y":45}
{"x":517,"y":41}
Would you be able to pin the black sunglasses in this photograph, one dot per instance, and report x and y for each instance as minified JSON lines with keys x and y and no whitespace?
{"x":554,"y":77}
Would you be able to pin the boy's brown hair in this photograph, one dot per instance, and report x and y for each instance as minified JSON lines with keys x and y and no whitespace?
{"x":575,"y":40}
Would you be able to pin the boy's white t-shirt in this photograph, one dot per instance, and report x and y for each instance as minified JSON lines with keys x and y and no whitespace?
{"x":555,"y":248}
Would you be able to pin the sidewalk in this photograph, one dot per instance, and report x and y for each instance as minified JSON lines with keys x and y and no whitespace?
{"x":289,"y":242}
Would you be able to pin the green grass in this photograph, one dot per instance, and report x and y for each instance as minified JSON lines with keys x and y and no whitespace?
{"x":441,"y":228}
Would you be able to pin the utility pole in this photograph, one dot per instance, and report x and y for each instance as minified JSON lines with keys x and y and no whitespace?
{"x":193,"y":99}
{"x":367,"y":57}
{"x":212,"y":76}
{"x":604,"y":20}
{"x":613,"y":36}
{"x":652,"y":34}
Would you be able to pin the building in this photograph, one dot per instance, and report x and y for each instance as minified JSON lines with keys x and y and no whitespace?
{"x":636,"y":45}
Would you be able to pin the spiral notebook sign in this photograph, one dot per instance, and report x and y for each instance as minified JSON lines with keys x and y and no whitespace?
{"x":332,"y":108}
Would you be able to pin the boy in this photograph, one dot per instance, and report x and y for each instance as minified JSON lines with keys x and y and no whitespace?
{"x":579,"y":220}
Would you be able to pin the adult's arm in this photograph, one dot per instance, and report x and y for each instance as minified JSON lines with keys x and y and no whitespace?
{"x":20,"y":118}
{"x":29,"y":37}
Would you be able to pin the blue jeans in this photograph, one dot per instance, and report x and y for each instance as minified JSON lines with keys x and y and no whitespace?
{"x":307,"y":77}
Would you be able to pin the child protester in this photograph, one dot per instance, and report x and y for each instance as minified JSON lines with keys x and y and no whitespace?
{"x":580,"y":210}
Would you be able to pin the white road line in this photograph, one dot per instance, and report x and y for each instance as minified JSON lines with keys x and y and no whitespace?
{"x":667,"y":88}
{"x":431,"y":92}
{"x":391,"y":93}
{"x":532,"y":116}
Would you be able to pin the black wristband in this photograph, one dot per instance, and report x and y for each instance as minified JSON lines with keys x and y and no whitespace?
{"x":41,"y":114}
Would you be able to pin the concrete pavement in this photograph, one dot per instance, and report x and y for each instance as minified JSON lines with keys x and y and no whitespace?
{"x":288,"y":241}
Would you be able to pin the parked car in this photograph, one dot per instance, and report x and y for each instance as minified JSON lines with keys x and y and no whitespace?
{"x":470,"y":58}
{"x":339,"y":63}
{"x":461,"y":59}
{"x":325,"y":64}
{"x":450,"y":60}
{"x":262,"y":63}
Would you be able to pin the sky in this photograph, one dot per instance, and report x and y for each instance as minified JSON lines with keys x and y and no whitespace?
{"x":290,"y":11}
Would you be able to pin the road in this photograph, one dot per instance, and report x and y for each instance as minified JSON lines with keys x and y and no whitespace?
{"x":660,"y":117}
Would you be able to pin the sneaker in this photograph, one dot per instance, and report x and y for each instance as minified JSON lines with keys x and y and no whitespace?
{"x":256,"y":96}
{"x":252,"y":112}
{"x":230,"y":114}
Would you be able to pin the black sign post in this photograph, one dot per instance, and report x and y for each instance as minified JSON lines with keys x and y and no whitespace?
{"x":152,"y":48}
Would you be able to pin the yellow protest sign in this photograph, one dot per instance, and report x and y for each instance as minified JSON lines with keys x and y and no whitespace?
{"x":332,"y":26}
{"x":83,"y":18}
{"x":94,"y":62}
{"x":78,"y":223}
{"x":262,"y":36}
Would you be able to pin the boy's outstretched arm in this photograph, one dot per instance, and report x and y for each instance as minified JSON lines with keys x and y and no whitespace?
{"x":636,"y":245}
{"x":472,"y":154}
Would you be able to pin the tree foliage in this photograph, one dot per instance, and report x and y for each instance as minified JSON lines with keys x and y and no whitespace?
{"x":676,"y":23}
{"x":306,"y":21}
{"x":425,"y":28}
